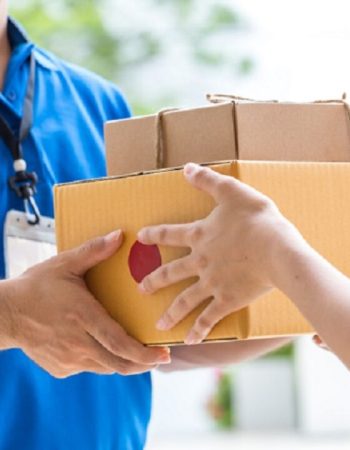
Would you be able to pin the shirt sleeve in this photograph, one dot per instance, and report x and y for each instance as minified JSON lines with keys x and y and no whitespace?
{"x":116,"y":105}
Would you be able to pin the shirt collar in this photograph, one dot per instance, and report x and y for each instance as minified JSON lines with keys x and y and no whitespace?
{"x":18,"y":37}
{"x":16,"y":33}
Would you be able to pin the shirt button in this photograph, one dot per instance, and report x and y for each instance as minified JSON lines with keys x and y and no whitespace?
{"x":11,"y":95}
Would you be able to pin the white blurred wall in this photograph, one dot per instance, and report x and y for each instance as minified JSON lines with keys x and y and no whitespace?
{"x":300,"y":49}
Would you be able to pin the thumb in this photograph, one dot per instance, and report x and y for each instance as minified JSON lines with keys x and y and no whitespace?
{"x":213,"y":183}
{"x":92,"y":252}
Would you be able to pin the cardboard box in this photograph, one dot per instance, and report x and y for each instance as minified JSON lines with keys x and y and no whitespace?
{"x":315,"y":196}
{"x":246,"y":131}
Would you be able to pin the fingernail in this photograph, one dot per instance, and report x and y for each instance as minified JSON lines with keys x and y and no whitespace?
{"x":140,"y":235}
{"x":162,"y":324}
{"x":316,"y":339}
{"x":112,"y":237}
{"x":164,"y":359}
{"x":192,"y":338}
{"x":165,"y":362}
{"x":190,"y":168}
{"x":141,"y":288}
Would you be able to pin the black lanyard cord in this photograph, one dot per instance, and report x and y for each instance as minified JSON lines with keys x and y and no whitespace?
{"x":23,"y":182}
{"x":10,"y":140}
{"x":27,"y":115}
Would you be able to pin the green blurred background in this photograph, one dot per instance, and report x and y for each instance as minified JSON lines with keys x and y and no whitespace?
{"x":115,"y":38}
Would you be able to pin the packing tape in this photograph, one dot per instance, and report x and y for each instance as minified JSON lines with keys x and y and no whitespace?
{"x":160,"y":150}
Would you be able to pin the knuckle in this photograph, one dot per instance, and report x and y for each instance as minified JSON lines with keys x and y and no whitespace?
{"x":168,"y":317}
{"x":75,"y":317}
{"x":224,"y":300}
{"x":200,"y":175}
{"x":163,"y":232}
{"x":142,"y":356}
{"x":95,"y":244}
{"x":69,"y":344}
{"x":263,"y":203}
{"x":212,"y":282}
{"x":182,"y":303}
{"x":224,"y":187}
{"x":225,"y":305}
{"x":61,"y":263}
{"x":114,"y":345}
{"x":201,"y":261}
{"x":123,"y":368}
{"x":164,"y":273}
{"x":196,"y":233}
{"x":68,"y":364}
{"x":203,"y":323}
{"x":73,"y":344}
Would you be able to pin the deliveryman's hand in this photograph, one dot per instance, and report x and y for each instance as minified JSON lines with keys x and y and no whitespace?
{"x":49,"y":313}
{"x":232,"y":252}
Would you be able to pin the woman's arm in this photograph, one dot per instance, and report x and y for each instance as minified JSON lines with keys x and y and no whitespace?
{"x":184,"y":357}
{"x":319,"y":290}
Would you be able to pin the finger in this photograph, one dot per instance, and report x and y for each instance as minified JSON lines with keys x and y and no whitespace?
{"x":84,"y":366}
{"x":169,"y":235}
{"x":122,"y":367}
{"x":99,"y":357}
{"x":213,"y":313}
{"x":92,"y":252}
{"x":94,"y":367}
{"x":90,"y":366}
{"x":183,"y":304}
{"x":168,"y":274}
{"x":100,"y":325}
{"x":213,"y":183}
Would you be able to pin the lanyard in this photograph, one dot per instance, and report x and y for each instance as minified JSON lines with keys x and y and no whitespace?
{"x":23,"y":182}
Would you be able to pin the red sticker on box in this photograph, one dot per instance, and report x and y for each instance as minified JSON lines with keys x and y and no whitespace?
{"x":143,"y":259}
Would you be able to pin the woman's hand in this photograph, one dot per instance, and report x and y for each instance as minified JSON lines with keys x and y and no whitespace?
{"x":233,"y":252}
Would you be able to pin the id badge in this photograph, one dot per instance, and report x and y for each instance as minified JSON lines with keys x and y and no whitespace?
{"x":25,"y":244}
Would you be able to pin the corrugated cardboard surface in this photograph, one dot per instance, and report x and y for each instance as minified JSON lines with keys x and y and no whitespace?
{"x":251,"y":131}
{"x":315,"y":196}
{"x":131,"y":143}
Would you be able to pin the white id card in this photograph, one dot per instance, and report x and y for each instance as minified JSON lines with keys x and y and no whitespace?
{"x":25,"y":244}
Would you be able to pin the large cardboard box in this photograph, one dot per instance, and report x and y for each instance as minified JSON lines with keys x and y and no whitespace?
{"x":314,"y":195}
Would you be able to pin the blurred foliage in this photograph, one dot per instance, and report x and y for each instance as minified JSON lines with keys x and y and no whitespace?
{"x":220,"y":403}
{"x":287,"y":351}
{"x":114,"y":37}
{"x":76,"y":31}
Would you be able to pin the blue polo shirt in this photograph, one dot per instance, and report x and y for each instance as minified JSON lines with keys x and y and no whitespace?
{"x":86,"y":411}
